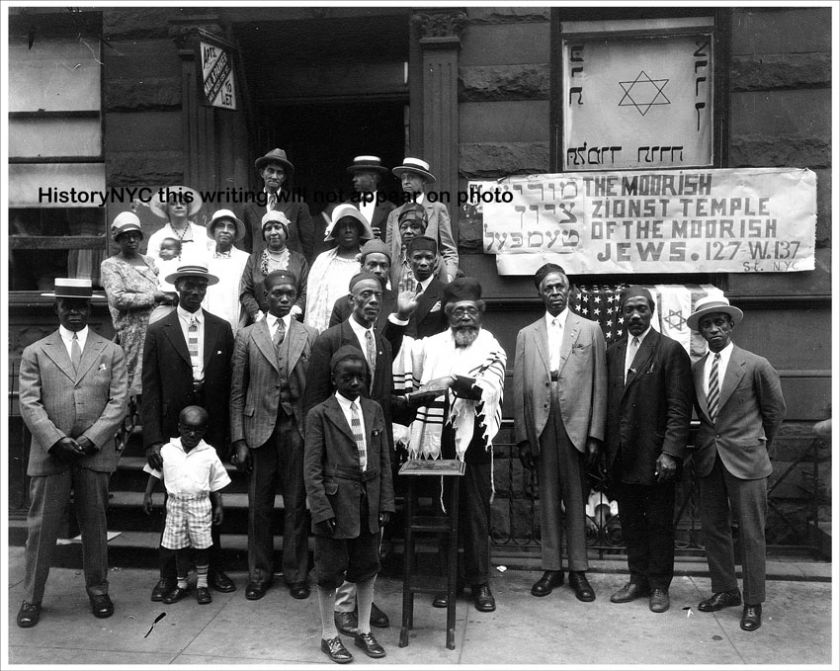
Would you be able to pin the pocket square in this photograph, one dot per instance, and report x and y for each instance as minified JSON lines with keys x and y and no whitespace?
{"x":103,"y":366}
{"x":435,"y":307}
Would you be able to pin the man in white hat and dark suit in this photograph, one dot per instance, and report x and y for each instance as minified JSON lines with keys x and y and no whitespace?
{"x":73,"y":396}
{"x":415,"y":177}
{"x":740,"y":406}
{"x":275,"y":168}
{"x":187,"y":361}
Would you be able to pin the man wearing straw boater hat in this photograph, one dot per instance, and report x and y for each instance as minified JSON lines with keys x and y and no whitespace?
{"x":738,"y":398}
{"x":415,"y":177}
{"x":187,"y":361}
{"x":73,"y":395}
{"x":274,"y":168}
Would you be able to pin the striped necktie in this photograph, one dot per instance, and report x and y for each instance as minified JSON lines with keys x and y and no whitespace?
{"x":632,"y":348}
{"x":370,"y":346}
{"x":358,"y":434}
{"x":714,"y":389}
{"x":192,"y":344}
{"x":75,"y":353}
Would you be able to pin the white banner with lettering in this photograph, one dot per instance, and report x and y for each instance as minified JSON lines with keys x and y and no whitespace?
{"x":744,"y":220}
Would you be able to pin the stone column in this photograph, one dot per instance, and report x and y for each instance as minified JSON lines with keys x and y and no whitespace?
{"x":440,"y":41}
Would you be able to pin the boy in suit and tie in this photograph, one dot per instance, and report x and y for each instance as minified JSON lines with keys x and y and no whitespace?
{"x":193,"y":474}
{"x":73,"y":397}
{"x":738,"y":397}
{"x":347,"y":472}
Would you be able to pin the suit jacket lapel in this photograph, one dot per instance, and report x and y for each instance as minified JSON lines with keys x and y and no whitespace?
{"x":54,"y":348}
{"x":541,"y":339}
{"x":93,"y":346}
{"x":734,"y":372}
{"x":297,"y":339}
{"x":570,"y":334}
{"x":211,"y":335}
{"x":173,"y":333}
{"x":264,"y":343}
{"x":335,"y":414}
{"x":699,"y":377}
{"x":643,"y":356}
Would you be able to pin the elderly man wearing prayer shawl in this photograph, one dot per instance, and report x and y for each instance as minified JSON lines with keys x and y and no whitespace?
{"x":467,"y":364}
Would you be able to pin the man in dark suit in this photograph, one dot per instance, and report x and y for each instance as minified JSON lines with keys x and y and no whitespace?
{"x":270,"y":363}
{"x":367,"y":172}
{"x":348,"y":479}
{"x":186,"y":361}
{"x":560,"y":409}
{"x":274,"y":169}
{"x":738,"y":397}
{"x":648,"y":415}
{"x":428,"y":317}
{"x":73,"y":396}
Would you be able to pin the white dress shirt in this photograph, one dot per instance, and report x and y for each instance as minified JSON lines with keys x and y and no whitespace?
{"x":360,"y":331}
{"x":555,"y":336}
{"x":272,"y":324}
{"x":630,"y":354}
{"x":184,"y":319}
{"x":67,"y":339}
{"x":192,"y":473}
{"x":367,"y":204}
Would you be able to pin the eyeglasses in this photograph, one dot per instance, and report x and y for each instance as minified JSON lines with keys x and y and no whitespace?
{"x":470,"y":310}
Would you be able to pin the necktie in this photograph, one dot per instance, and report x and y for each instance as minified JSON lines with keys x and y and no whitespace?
{"x":358,"y":434}
{"x":555,"y":343}
{"x":272,"y":201}
{"x":371,"y":354}
{"x":279,"y":334}
{"x":714,"y":388}
{"x":632,"y":348}
{"x":75,"y":353}
{"x":192,"y":343}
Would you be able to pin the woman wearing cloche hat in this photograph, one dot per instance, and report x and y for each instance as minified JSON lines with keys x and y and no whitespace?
{"x":131,"y":285}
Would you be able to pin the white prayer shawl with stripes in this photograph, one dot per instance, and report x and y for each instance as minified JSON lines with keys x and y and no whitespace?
{"x":437,"y":356}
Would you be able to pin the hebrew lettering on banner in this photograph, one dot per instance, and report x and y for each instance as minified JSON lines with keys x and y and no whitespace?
{"x":745,"y":220}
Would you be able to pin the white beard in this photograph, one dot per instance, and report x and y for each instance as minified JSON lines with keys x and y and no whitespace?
{"x":464,"y":336}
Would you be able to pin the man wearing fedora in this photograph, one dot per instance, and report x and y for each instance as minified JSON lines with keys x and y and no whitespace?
{"x":649,"y":396}
{"x":178,"y":205}
{"x":227,"y":263}
{"x":415,"y":178}
{"x":187,"y":361}
{"x":275,"y":168}
{"x":738,"y":398}
{"x":73,"y":396}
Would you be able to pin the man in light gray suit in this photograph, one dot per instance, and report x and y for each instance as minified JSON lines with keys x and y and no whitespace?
{"x":73,"y":396}
{"x":270,"y":363}
{"x":738,"y":397}
{"x":560,"y":409}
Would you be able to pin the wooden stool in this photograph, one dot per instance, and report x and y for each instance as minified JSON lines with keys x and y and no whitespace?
{"x":446,"y":525}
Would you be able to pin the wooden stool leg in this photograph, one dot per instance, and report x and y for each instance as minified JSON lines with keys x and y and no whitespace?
{"x":408,"y":568}
{"x":452,"y":565}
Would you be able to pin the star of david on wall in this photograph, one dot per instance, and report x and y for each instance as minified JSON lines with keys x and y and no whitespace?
{"x":674,"y":319}
{"x":643,"y":93}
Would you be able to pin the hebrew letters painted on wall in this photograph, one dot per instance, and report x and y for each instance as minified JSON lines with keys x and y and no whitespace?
{"x":631,"y":102}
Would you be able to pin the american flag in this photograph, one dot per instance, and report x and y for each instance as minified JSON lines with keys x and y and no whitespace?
{"x":600,"y":303}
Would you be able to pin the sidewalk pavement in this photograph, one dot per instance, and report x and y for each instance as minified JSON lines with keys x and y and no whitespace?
{"x":557,"y":630}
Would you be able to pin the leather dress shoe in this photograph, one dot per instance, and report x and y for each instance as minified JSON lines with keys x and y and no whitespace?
{"x":483,"y":598}
{"x":378,"y":618}
{"x":368,"y":643}
{"x":101,"y":605}
{"x":162,"y":588}
{"x":659,"y":600}
{"x":579,"y":583}
{"x":545,"y":585}
{"x":630,"y":592}
{"x":751,"y":617}
{"x":442,"y":601}
{"x":256,"y":590}
{"x":176,"y":594}
{"x":28,"y":615}
{"x":720,"y":600}
{"x":221,"y":582}
{"x":347,"y":623}
{"x":335,"y":650}
{"x":299,"y":590}
{"x":202,"y":595}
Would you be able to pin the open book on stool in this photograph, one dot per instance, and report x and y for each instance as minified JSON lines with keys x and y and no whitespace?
{"x":433,"y":467}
